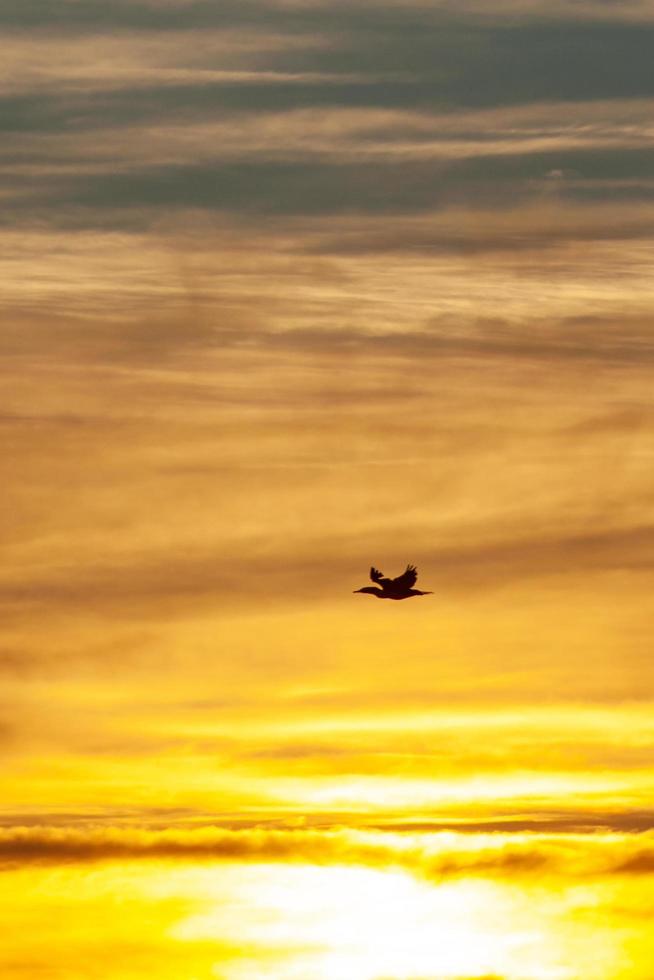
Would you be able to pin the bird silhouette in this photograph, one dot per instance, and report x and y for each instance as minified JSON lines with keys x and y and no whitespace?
{"x":394,"y":588}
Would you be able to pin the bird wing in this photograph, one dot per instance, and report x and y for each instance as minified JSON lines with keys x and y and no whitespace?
{"x":407,"y":579}
{"x":378,"y":577}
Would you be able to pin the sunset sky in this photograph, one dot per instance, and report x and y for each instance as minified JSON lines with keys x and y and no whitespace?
{"x":290,"y":288}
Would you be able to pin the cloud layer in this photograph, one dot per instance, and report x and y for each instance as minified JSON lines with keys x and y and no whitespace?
{"x":436,"y":857}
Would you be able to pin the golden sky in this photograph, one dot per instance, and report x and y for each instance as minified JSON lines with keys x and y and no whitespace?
{"x":290,"y":289}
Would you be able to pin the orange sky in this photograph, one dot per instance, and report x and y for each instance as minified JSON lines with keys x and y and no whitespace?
{"x":290,"y":290}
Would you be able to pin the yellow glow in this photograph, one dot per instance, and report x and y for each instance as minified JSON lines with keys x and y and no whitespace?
{"x":365,"y":924}
{"x":237,"y":922}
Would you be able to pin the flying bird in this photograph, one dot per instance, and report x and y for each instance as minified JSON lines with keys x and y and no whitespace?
{"x":394,"y":588}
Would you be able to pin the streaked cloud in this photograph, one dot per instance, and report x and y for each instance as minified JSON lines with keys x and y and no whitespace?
{"x":436,"y":857}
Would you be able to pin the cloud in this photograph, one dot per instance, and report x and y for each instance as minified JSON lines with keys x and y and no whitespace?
{"x":436,"y":857}
{"x":87,"y":63}
{"x":280,"y":168}
{"x":281,"y":109}
{"x":167,"y":423}
{"x":176,"y":14}
{"x":145,"y":586}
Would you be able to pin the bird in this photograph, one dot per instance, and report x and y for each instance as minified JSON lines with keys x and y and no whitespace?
{"x":394,"y":588}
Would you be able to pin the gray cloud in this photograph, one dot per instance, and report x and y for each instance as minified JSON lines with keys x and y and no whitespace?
{"x":336,"y":58}
{"x":319,"y":188}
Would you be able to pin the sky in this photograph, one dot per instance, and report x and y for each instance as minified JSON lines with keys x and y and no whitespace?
{"x":290,"y":288}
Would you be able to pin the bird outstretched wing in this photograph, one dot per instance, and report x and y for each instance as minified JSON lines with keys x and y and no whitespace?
{"x":407,"y":579}
{"x":378,"y":577}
